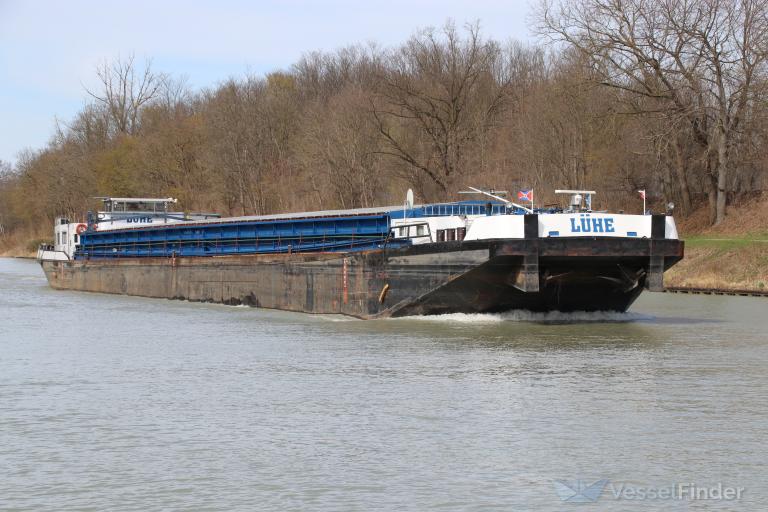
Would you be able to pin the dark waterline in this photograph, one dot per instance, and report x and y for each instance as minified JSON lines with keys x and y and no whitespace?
{"x":126,"y":403}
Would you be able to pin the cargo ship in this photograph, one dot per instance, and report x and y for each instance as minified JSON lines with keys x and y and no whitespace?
{"x":483,"y":255}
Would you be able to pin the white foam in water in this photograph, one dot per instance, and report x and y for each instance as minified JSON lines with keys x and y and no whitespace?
{"x":531,"y":316}
{"x":336,"y":318}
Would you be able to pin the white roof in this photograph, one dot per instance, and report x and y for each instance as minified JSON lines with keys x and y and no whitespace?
{"x":278,"y":216}
{"x":138,"y":199}
{"x":301,"y":215}
{"x":592,"y":192}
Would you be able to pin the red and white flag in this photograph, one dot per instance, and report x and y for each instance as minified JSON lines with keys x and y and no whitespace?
{"x":642,"y":194}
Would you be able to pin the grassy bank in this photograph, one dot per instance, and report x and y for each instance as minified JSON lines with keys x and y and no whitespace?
{"x":731,"y":256}
{"x":722,"y":263}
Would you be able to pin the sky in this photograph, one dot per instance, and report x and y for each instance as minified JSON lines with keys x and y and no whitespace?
{"x":49,"y":49}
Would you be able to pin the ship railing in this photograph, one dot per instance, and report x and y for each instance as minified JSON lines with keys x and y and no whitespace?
{"x":49,"y":253}
{"x":297,"y":238}
{"x":448,"y":209}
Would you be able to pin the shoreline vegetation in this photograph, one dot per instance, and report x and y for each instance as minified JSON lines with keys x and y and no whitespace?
{"x":672,"y":103}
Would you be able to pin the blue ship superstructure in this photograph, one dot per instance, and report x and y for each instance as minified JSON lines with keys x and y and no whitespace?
{"x":326,"y":231}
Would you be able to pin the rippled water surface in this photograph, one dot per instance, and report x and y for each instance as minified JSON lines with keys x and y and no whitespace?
{"x":125,"y":403}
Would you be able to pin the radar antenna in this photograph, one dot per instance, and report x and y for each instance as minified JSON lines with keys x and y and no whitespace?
{"x":578,"y":197}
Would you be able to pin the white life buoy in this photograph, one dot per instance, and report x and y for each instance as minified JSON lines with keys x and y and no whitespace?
{"x":80,"y":229}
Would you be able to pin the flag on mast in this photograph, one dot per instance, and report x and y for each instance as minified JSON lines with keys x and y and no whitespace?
{"x":526,"y":195}
{"x":642,"y":195}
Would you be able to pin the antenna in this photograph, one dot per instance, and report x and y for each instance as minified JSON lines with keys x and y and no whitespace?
{"x":494,"y":194}
{"x":408,"y":204}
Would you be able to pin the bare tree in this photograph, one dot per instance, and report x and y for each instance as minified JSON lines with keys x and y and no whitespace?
{"x":698,"y":60}
{"x":437,"y":95}
{"x":343,"y":144}
{"x":90,"y":128}
{"x":251,"y":125}
{"x":5,"y":168}
{"x":125,"y":89}
{"x":236,"y":142}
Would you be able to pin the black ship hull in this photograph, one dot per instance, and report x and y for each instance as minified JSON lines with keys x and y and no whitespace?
{"x":537,"y":274}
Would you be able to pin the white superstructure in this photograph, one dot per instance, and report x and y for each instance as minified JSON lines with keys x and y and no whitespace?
{"x":577,"y":220}
{"x":66,"y":236}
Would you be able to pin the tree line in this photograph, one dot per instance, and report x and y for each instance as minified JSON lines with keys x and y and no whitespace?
{"x":663,"y":95}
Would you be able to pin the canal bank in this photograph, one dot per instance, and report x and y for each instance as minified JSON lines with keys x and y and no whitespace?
{"x":727,"y":264}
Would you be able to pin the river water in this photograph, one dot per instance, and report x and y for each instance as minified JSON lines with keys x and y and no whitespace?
{"x":126,"y":403}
